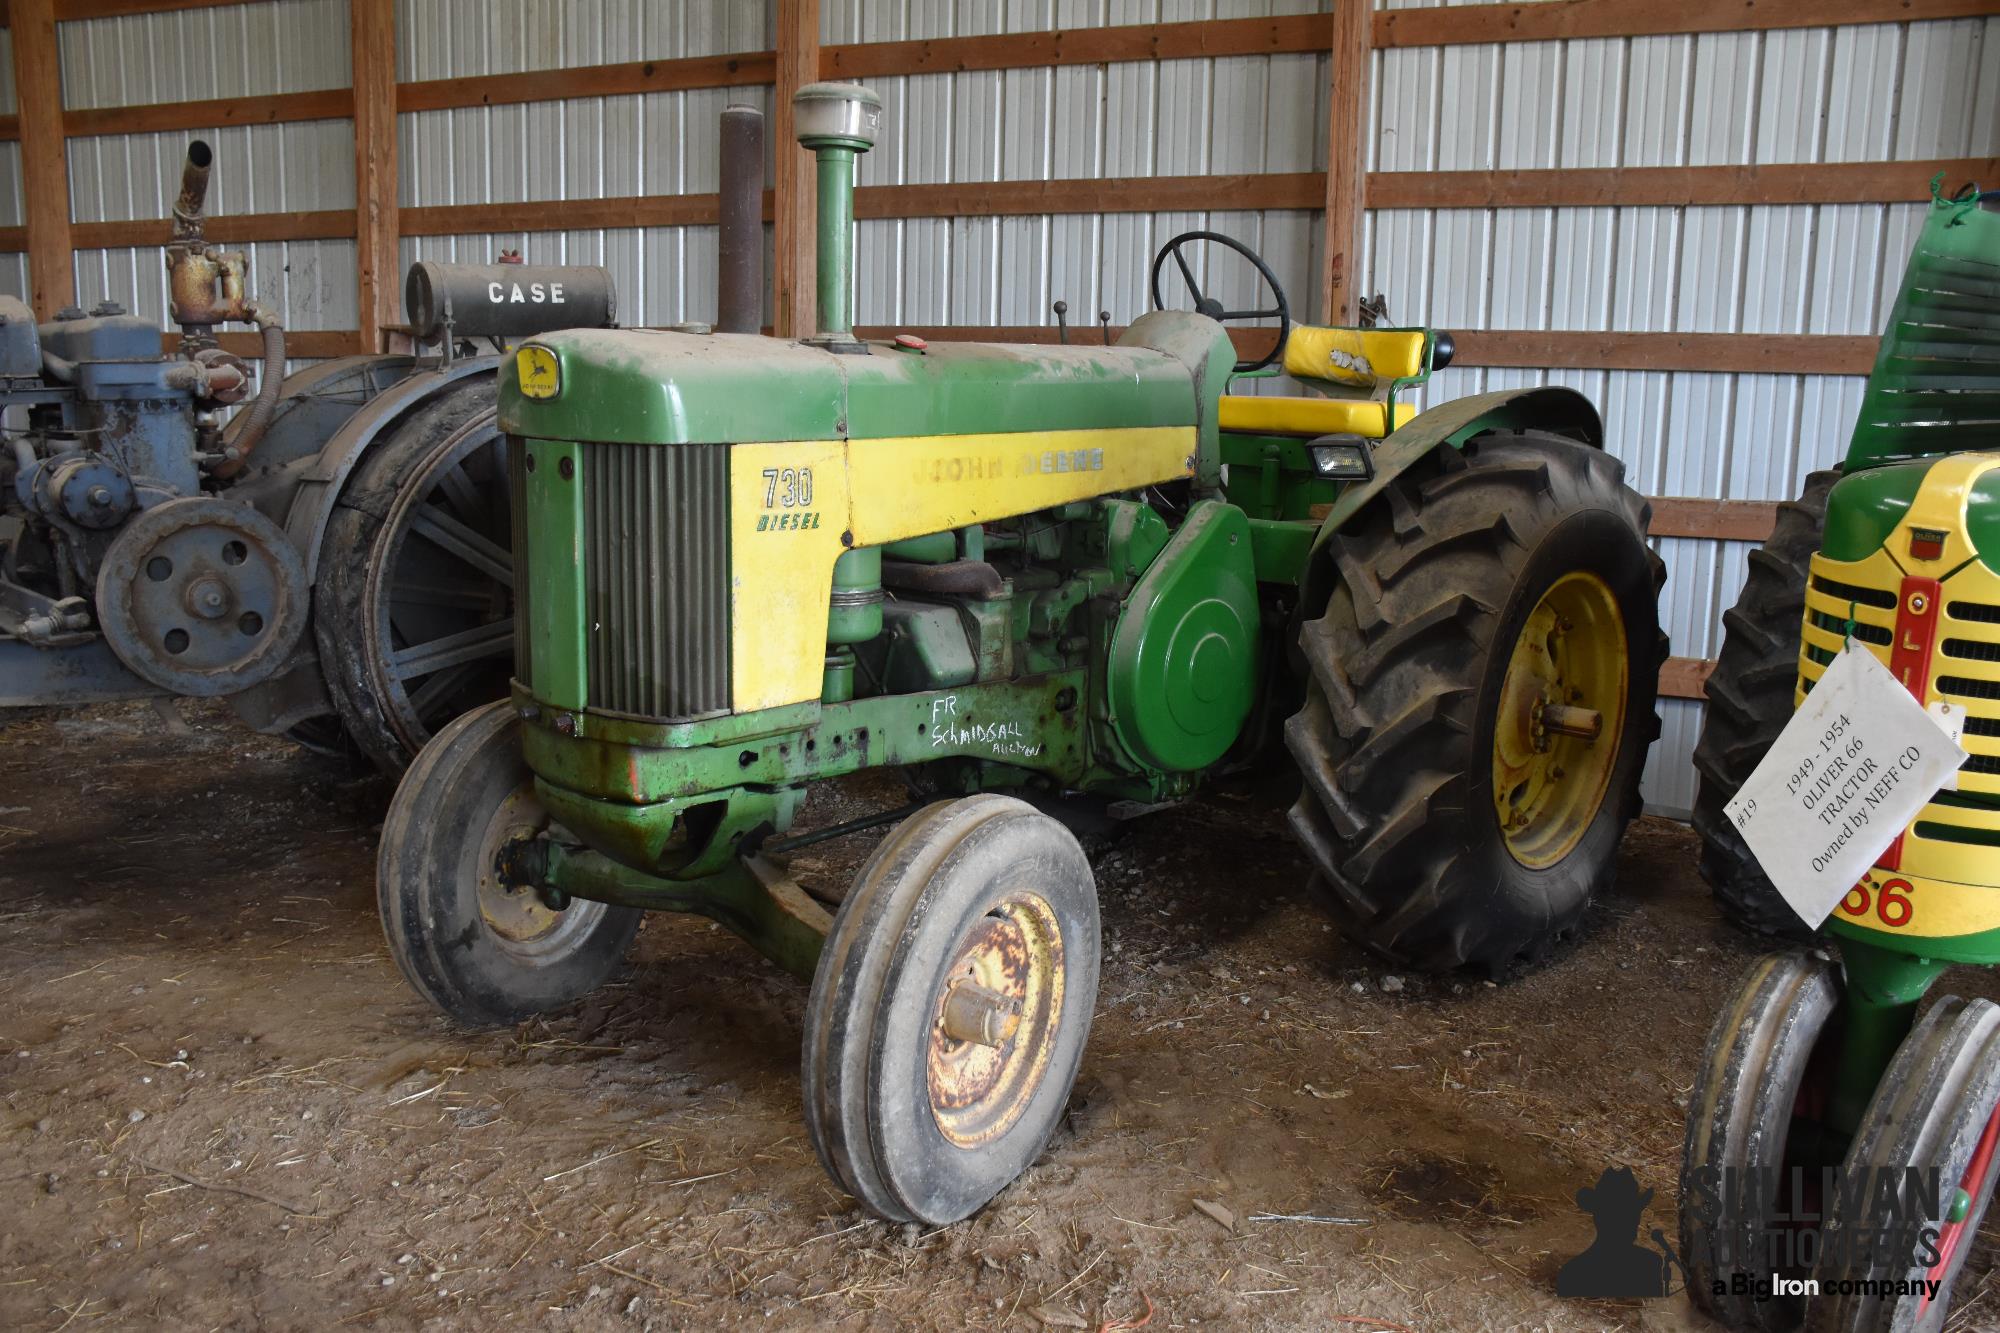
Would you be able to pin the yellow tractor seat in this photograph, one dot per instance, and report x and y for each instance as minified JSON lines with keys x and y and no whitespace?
{"x":1354,"y":358}
{"x":1309,"y":416}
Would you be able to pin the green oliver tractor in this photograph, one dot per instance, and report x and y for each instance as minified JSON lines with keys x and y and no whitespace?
{"x":745,"y":565}
{"x":1821,"y":1065}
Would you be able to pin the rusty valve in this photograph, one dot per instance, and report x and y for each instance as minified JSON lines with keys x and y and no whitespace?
{"x":976,"y":1013}
{"x":1582,"y":723}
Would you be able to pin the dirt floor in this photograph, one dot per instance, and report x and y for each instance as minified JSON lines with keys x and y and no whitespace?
{"x":220,"y":1106}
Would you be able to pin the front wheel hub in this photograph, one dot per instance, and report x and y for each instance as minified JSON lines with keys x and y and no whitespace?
{"x":996,"y":1020}
{"x":976,"y":1013}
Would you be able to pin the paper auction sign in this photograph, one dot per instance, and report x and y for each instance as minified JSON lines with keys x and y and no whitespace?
{"x":1850,"y":770}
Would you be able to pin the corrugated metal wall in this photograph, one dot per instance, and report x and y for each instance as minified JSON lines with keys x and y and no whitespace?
{"x":286,"y":46}
{"x":596,"y":147}
{"x":1171,"y":118}
{"x":1876,"y":92}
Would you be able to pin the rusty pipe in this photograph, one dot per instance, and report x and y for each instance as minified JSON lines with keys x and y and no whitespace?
{"x":965,"y":578}
{"x":194,"y":192}
{"x":740,"y":237}
{"x":256,"y":418}
{"x":214,"y":381}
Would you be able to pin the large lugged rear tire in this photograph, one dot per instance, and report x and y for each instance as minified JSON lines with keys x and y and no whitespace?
{"x":1483,"y":596}
{"x":1749,"y":702}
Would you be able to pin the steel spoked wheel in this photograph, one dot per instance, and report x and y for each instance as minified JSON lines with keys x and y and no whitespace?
{"x":473,"y":940}
{"x":440,"y":607}
{"x":414,"y":603}
{"x":1564,"y":690}
{"x":1935,"y":1109}
{"x":1755,"y":1112}
{"x":1480,"y":702}
{"x":951,"y":1007}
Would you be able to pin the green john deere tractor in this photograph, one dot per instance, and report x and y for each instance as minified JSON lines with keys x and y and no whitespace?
{"x":745,"y":565}
{"x":1820,"y":1063}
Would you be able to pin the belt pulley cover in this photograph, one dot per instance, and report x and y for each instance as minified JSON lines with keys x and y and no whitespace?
{"x":202,"y":596}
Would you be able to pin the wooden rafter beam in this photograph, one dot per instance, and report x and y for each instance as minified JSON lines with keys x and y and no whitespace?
{"x":658,"y":210}
{"x":795,"y":242}
{"x":306,"y":343}
{"x":1135,"y":194}
{"x":554,"y":85}
{"x":1685,"y":677}
{"x":44,"y":161}
{"x":1077,"y":46}
{"x":70,"y":10}
{"x":224,"y":229}
{"x":1601,"y":187}
{"x":67,"y":10}
{"x":1556,"y":20}
{"x":372,"y":35}
{"x":214,"y":113}
{"x":1713,"y":520}
{"x":1776,"y":353}
{"x":1347,"y":164}
{"x":1742,"y":353}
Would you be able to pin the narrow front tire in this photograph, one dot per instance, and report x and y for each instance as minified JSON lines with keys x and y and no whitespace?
{"x":485,"y":950}
{"x":950,"y":1008}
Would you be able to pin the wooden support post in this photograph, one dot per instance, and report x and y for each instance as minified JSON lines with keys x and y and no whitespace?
{"x":1346,"y":162}
{"x":44,"y":159}
{"x":372,"y":31}
{"x":795,"y":249}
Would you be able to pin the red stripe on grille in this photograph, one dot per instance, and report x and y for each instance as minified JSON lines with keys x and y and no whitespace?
{"x":1910,"y":656}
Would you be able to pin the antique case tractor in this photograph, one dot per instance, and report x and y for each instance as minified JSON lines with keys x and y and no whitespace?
{"x":746,"y":565}
{"x":1821,"y":1060}
{"x":332,"y":559}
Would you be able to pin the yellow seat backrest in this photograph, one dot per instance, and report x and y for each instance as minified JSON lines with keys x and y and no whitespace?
{"x":1357,"y":358}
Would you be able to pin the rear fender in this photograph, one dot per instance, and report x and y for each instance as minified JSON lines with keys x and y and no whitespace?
{"x":316,"y":482}
{"x":1550,"y":408}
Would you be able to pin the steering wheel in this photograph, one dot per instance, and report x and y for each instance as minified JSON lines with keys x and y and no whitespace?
{"x":1209,"y":306}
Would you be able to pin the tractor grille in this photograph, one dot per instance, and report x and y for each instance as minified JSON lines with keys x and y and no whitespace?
{"x":1964,"y":670}
{"x":1968,"y":673}
{"x":656,"y":578}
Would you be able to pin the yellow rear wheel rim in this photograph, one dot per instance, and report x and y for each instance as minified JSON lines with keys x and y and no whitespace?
{"x":1569,"y":669}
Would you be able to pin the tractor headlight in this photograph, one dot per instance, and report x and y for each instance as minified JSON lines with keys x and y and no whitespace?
{"x":1339,"y":459}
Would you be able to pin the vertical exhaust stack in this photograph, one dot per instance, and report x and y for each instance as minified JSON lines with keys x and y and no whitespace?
{"x":205,"y":286}
{"x":194,"y":192}
{"x":838,"y":122}
{"x":740,"y":246}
